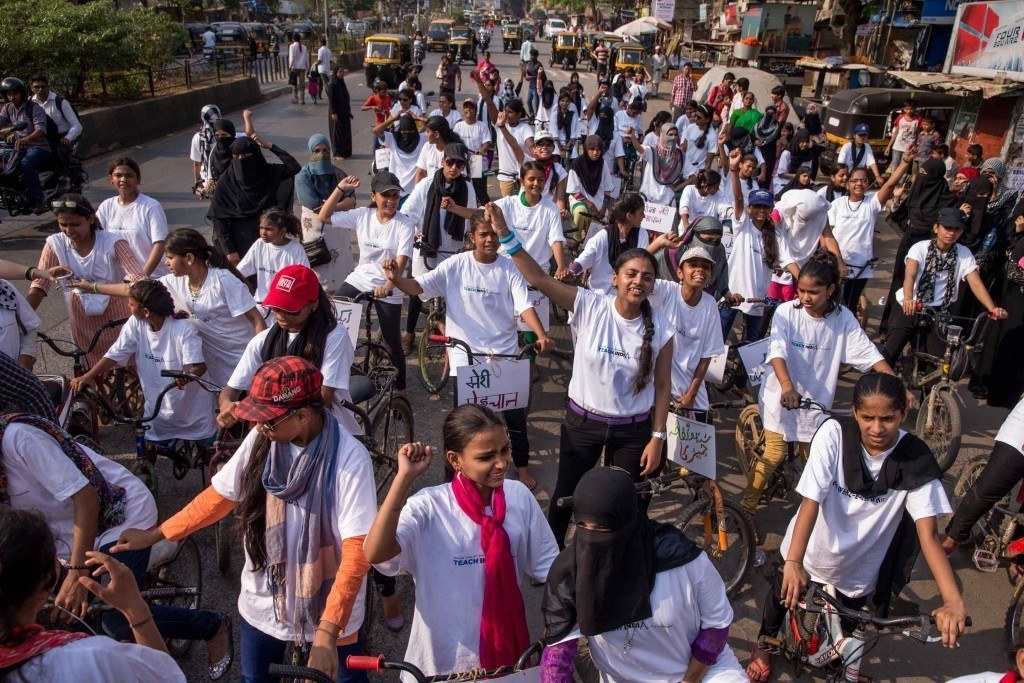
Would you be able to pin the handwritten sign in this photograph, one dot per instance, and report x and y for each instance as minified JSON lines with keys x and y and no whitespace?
{"x":541,"y":307}
{"x":691,"y":444}
{"x":716,"y":369}
{"x":476,"y":166}
{"x":349,"y":315}
{"x":382,"y":158}
{"x":753,"y":356}
{"x":499,"y":385}
{"x":658,"y":218}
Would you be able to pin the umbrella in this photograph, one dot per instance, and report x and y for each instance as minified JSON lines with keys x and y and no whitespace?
{"x":639,"y":27}
{"x":658,"y":23}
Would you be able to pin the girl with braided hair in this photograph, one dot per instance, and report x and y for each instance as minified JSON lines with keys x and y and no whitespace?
{"x":622,"y":371}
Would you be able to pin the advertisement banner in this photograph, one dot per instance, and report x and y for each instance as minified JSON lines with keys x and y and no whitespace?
{"x":663,"y":9}
{"x":988,"y":40}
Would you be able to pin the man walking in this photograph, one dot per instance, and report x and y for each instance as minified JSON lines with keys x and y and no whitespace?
{"x":298,"y":65}
{"x":324,"y":56}
{"x":683,"y":87}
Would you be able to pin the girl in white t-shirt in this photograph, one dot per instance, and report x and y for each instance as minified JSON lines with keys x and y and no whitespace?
{"x":134,"y":217}
{"x":404,"y":146}
{"x":672,"y":628}
{"x":437,"y":536}
{"x":565,"y":126}
{"x":555,"y":176}
{"x":811,"y":337}
{"x":935,"y":268}
{"x":700,"y":198}
{"x":154,"y":339}
{"x":863,"y":475}
{"x":279,"y":245}
{"x":439,"y":135}
{"x":699,"y":141}
{"x":446,"y":109}
{"x":620,"y":388}
{"x":602,"y":124}
{"x":536,"y":217}
{"x":304,"y":492}
{"x":18,"y":325}
{"x":589,"y":186}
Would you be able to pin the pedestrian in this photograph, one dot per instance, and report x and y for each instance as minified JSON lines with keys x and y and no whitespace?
{"x":904,"y":133}
{"x":136,"y":218}
{"x":339,"y":111}
{"x":313,"y":185}
{"x":323,"y":58}
{"x":298,"y":65}
{"x":450,"y":79}
{"x":531,"y":71}
{"x":403,"y":148}
{"x":437,"y":536}
{"x":857,"y":153}
{"x":313,"y":82}
{"x":600,"y":58}
{"x":247,"y":188}
{"x":683,"y":88}
{"x":765,"y":133}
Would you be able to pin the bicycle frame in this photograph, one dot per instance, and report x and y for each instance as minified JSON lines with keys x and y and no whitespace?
{"x":954,"y":340}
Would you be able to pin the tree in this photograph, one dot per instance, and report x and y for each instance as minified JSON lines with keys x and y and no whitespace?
{"x":853,"y":12}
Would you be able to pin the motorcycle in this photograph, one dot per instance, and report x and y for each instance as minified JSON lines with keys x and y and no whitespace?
{"x":418,"y":52}
{"x":14,"y":196}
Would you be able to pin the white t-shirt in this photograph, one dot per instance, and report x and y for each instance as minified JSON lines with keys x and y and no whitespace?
{"x":441,"y":550}
{"x":377,"y":242}
{"x":650,"y":188}
{"x":682,"y":123}
{"x":965,"y":265}
{"x":698,"y":334}
{"x":1012,"y":430}
{"x":684,"y":600}
{"x":336,"y":367}
{"x":508,"y":166}
{"x":482,"y":302}
{"x":452,"y":117}
{"x":692,"y":203}
{"x":355,"y":506}
{"x":140,"y":224}
{"x":615,"y":150}
{"x":184,"y":413}
{"x":473,"y":136}
{"x":813,"y":349}
{"x":13,"y":341}
{"x":749,"y":274}
{"x":575,"y":186}
{"x":323,"y":56}
{"x":265,"y":260}
{"x":853,"y":533}
{"x":40,"y":477}
{"x":100,"y":659}
{"x":781,"y":166}
{"x":403,"y":164}
{"x":537,"y":227}
{"x":595,"y":257}
{"x":606,"y":361}
{"x":430,"y":159}
{"x":415,"y":207}
{"x":574,"y":132}
{"x":218,"y":314}
{"x":696,"y":157}
{"x":298,"y":56}
{"x":846,"y":156}
{"x":623,"y":121}
{"x":906,"y":131}
{"x":853,"y":225}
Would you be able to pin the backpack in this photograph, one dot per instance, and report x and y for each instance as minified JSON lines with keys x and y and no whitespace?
{"x":52,"y":134}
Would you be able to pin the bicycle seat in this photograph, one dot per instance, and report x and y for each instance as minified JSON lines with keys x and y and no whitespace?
{"x":361,"y":388}
{"x":56,"y":387}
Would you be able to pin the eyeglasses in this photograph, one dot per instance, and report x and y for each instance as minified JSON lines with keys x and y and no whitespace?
{"x":545,"y":143}
{"x":269,"y":427}
{"x":454,"y":163}
{"x":64,"y":205}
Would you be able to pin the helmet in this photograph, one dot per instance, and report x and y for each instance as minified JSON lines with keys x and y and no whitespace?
{"x":12,"y":84}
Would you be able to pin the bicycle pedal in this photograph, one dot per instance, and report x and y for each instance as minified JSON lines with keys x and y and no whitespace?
{"x":985,"y":561}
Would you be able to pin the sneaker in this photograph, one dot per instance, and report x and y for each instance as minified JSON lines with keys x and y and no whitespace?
{"x":408,"y":342}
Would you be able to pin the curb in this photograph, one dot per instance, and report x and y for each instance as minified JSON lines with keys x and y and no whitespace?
{"x":274,"y":91}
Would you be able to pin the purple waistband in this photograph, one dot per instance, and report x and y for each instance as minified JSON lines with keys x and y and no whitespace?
{"x":604,"y":419}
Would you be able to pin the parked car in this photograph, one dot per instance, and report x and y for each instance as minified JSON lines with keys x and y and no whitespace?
{"x":553,"y":27}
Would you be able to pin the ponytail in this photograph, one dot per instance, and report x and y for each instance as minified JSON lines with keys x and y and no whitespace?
{"x":646,"y":358}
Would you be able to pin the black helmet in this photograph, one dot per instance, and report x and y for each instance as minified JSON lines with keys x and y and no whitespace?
{"x":11,"y":84}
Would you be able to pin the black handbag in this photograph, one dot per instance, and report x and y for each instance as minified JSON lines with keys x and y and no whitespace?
{"x":317,"y":251}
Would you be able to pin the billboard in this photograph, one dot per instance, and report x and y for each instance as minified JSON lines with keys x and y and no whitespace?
{"x":988,"y":40}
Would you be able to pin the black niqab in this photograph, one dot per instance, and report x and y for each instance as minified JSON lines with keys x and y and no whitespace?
{"x":929,"y":193}
{"x":407,"y":137}
{"x":220,"y":158}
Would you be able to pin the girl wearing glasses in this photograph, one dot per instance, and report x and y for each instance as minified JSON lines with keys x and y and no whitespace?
{"x":86,"y":252}
{"x":304,"y":492}
{"x":439,"y":135}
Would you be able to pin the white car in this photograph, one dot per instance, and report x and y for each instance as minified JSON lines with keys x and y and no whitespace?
{"x":553,"y":27}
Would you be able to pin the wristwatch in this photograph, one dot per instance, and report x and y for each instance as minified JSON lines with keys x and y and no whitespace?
{"x":659,"y":435}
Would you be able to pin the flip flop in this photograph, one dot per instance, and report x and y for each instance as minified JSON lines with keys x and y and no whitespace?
{"x":764,"y":670}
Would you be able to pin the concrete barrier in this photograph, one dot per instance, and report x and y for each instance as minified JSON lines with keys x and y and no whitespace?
{"x":112,"y":128}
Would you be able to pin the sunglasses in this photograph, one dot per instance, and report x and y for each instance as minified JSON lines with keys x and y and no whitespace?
{"x":545,"y":143}
{"x":64,"y":205}
{"x":454,"y":163}
{"x":269,"y":427}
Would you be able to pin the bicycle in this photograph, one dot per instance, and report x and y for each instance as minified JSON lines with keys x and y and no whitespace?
{"x":471,"y":355}
{"x":813,"y":637}
{"x":379,"y":663}
{"x":433,"y":361}
{"x":935,"y":377}
{"x":863,"y":305}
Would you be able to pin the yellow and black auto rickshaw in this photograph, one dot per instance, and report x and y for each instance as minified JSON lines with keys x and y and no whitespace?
{"x":463,"y":44}
{"x":511,"y":37}
{"x":438,"y":34}
{"x":385,"y":55}
{"x":565,"y":49}
{"x":627,"y":55}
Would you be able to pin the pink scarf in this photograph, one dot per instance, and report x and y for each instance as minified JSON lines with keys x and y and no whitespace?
{"x":32,"y":640}
{"x":503,"y":631}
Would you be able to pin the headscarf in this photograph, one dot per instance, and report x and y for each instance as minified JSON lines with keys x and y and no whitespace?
{"x":1004,"y":193}
{"x":812,"y":120}
{"x":589,"y":172}
{"x":706,"y":225}
{"x":739,"y":138}
{"x":454,"y":225}
{"x":766,"y":130}
{"x":244,"y":189}
{"x":929,"y":193}
{"x":667,"y":163}
{"x":605,"y":126}
{"x":977,"y":193}
{"x":207,"y":116}
{"x":319,"y":163}
{"x":799,"y":157}
{"x":548,"y":96}
{"x":407,"y":136}
{"x":804,"y":214}
{"x":220,"y":158}
{"x":563,"y":122}
{"x":338,"y":99}
{"x":794,"y":182}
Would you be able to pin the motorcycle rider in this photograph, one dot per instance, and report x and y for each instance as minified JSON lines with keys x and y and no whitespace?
{"x":32,"y":140}
{"x":69,"y":127}
{"x":418,"y":48}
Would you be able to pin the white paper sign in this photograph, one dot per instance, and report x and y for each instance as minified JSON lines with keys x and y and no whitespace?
{"x":541,"y":307}
{"x":382,"y":158}
{"x":476,"y":166}
{"x":716,"y":368}
{"x":657,"y":217}
{"x":753,"y":356}
{"x":351,"y":316}
{"x":691,"y":444}
{"x":499,"y":385}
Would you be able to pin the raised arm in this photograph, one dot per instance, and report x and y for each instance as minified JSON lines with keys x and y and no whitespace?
{"x":737,"y":190}
{"x":886,"y":191}
{"x":381,"y":543}
{"x":346,"y":185}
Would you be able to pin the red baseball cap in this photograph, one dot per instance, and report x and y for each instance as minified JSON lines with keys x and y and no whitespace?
{"x":278,"y":387}
{"x":292,"y":288}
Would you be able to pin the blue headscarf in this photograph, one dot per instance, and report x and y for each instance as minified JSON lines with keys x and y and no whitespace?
{"x":317,"y":179}
{"x":324,"y":166}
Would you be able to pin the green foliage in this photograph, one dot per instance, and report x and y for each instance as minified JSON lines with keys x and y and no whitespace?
{"x":66,"y":41}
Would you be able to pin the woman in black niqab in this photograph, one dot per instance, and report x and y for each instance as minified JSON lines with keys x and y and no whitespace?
{"x":339,"y":110}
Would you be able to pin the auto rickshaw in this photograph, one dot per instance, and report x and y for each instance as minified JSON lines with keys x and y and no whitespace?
{"x":626,"y":55}
{"x":463,"y":44}
{"x":877,"y":107}
{"x":528,"y":29}
{"x":610,"y":40}
{"x":565,"y":49}
{"x":386,"y":53}
{"x":511,"y":37}
{"x":438,"y":34}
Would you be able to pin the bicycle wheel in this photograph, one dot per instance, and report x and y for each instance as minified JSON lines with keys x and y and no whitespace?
{"x":392,"y":426}
{"x":1014,"y":622}
{"x":184,"y":571}
{"x":736,"y":560}
{"x":944,"y":435}
{"x":433,"y":358}
{"x":123,"y":389}
{"x":749,"y":437}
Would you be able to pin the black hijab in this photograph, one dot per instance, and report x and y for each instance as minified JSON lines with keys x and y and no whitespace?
{"x":605,"y":578}
{"x":589,"y":172}
{"x":605,"y":126}
{"x":977,"y":194}
{"x":248,"y":185}
{"x":407,"y":136}
{"x":766,"y":130}
{"x":454,"y":225}
{"x":910,"y":465}
{"x":220,"y":158}
{"x":799,"y":157}
{"x":338,"y":98}
{"x":929,"y":193}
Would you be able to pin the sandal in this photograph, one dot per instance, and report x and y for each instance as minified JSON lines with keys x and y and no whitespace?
{"x":763,"y":672}
{"x":219,"y":668}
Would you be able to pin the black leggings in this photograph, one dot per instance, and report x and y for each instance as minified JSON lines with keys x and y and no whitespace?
{"x":390,"y":318}
{"x":1001,"y":473}
{"x":852,"y":289}
{"x":415,"y":307}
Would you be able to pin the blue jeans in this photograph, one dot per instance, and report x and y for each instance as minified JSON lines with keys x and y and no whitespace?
{"x":176,"y":623}
{"x":532,"y":100}
{"x":259,"y":651}
{"x":34,"y":158}
{"x":753,"y":324}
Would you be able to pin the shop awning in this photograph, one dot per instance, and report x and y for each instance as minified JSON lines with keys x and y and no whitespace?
{"x":958,"y":84}
{"x":836,"y":64}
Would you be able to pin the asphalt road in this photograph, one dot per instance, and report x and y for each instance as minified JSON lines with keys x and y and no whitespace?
{"x":167,"y":176}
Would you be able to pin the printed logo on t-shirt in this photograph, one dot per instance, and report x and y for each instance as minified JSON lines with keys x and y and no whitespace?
{"x":468,"y":560}
{"x":842,"y":490}
{"x":285,"y":283}
{"x":602,"y":348}
{"x":150,"y":356}
{"x":809,"y":347}
{"x":476,"y":290}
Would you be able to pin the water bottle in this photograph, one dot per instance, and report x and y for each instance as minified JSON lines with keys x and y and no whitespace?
{"x":852,"y":650}
{"x":987,"y":244}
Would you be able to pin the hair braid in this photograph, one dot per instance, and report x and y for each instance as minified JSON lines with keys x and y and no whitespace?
{"x":646,"y":358}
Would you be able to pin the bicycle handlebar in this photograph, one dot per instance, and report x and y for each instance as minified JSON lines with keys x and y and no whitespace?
{"x":379,"y":663}
{"x":641,"y":486}
{"x":431,"y":251}
{"x":204,"y":383}
{"x":301,"y":672}
{"x":79,"y":352}
{"x":452,"y":341}
{"x":934,"y":313}
{"x":123,"y":419}
{"x":814,"y":590}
